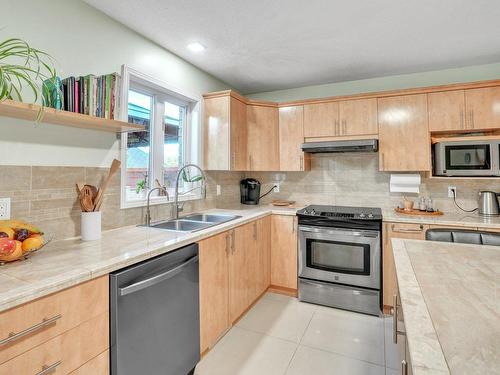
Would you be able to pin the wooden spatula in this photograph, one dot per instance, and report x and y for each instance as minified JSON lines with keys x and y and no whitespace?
{"x":100,"y":194}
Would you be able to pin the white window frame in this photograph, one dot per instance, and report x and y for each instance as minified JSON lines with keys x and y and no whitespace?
{"x":134,"y":79}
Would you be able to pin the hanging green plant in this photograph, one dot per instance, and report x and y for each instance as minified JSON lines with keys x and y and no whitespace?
{"x":23,"y":67}
{"x":186,"y":177}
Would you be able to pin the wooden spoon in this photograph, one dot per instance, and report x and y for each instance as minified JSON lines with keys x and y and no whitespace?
{"x":100,"y":194}
{"x":86,"y":199}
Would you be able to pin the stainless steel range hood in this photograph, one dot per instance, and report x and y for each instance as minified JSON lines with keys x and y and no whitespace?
{"x":360,"y":145}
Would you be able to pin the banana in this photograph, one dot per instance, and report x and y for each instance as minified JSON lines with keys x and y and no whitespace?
{"x":20,"y":224}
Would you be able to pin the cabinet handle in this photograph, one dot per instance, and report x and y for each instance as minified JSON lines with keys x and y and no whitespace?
{"x":337,"y":128}
{"x":233,"y":158}
{"x":301,"y":163}
{"x":395,"y":331}
{"x":471,"y":121}
{"x":462,"y":125}
{"x":344,"y":127}
{"x":472,"y":118}
{"x":232,"y":241}
{"x":404,"y":367}
{"x":250,"y":161}
{"x":16,"y":336}
{"x":47,"y":369}
{"x":293,"y":225}
{"x":255,"y":231}
{"x":228,"y":243}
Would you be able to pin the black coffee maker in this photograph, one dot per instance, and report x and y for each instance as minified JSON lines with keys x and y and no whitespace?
{"x":250,"y":191}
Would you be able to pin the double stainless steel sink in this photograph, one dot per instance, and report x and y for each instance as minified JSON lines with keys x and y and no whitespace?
{"x":195,"y":222}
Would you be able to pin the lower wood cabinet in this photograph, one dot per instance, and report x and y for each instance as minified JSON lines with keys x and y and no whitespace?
{"x":96,"y":366}
{"x":234,"y":272}
{"x":284,"y":251}
{"x":396,"y":230}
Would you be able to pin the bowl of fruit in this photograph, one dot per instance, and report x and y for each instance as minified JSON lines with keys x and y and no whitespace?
{"x":18,"y":240}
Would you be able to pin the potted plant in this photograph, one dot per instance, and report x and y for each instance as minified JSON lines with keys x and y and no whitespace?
{"x":23,"y":67}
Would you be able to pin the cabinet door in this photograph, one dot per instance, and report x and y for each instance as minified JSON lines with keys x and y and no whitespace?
{"x":291,"y":130}
{"x":238,"y":135}
{"x":214,"y":289}
{"x":396,"y":230}
{"x":446,"y":110}
{"x":404,"y":138}
{"x":239,"y":280}
{"x":263,"y":138}
{"x":264,"y":246}
{"x":216,"y":133}
{"x":358,"y":117}
{"x":284,"y":251}
{"x":483,"y":108}
{"x":321,"y":120}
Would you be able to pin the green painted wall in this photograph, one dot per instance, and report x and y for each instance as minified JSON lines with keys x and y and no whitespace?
{"x":403,"y":81}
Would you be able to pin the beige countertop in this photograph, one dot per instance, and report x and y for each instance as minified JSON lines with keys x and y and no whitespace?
{"x":451,"y":305}
{"x":448,"y":218}
{"x":64,"y":263}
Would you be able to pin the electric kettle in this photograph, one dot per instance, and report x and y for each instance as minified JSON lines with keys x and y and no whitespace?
{"x":488,"y":203}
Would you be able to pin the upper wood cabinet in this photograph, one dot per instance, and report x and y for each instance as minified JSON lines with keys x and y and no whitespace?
{"x":224,"y":133}
{"x":263,"y":138}
{"x":358,"y":117}
{"x":404,"y":138}
{"x":291,"y":137}
{"x":321,"y":119}
{"x":483,"y":108}
{"x":447,"y":110}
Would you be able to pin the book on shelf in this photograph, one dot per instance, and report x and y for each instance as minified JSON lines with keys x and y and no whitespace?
{"x":92,"y":95}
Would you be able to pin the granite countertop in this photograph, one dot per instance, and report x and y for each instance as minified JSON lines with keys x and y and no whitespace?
{"x":64,"y":263}
{"x":448,"y":218}
{"x":451,"y":307}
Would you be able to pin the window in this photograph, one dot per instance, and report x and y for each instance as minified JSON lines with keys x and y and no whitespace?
{"x":169,"y":140}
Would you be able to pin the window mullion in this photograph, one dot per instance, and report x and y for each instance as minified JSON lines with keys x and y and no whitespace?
{"x":158,"y":149}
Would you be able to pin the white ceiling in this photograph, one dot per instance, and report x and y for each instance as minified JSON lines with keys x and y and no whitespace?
{"x":259,"y":45}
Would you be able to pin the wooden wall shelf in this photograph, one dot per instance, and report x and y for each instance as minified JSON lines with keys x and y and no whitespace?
{"x":26,"y":111}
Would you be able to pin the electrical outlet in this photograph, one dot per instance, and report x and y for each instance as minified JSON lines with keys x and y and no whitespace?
{"x":218,"y":188}
{"x":452,"y":189}
{"x":4,"y":208}
{"x":276,"y":188}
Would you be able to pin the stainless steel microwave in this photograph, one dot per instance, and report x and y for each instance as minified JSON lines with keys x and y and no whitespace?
{"x":467,"y":158}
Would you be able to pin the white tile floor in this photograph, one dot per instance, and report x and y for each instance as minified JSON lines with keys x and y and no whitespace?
{"x":281,"y":335}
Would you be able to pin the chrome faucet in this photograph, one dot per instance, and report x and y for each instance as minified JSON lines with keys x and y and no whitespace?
{"x":203,"y":188}
{"x":148,"y":210}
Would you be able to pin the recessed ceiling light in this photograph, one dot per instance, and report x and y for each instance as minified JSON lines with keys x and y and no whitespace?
{"x":196,"y":47}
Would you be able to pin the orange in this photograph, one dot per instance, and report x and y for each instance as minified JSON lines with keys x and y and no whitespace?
{"x":32,"y":243}
{"x":17,"y":253}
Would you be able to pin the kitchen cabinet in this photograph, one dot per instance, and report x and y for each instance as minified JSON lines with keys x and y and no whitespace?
{"x":225,"y":133}
{"x":396,"y":230}
{"x":321,"y":119}
{"x":263,"y":232}
{"x":284,"y":251}
{"x":263,"y":138}
{"x":214,"y":288}
{"x":404,"y":139}
{"x":358,"y":117}
{"x":66,"y":310}
{"x":447,"y":111}
{"x":96,"y":366}
{"x":291,"y":137}
{"x":483,"y":108}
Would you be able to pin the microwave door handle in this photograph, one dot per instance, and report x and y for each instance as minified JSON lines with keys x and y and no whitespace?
{"x":156,"y":279}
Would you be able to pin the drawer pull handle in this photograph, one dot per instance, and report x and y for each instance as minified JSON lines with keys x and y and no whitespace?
{"x":49,"y":369}
{"x":16,"y":336}
{"x":395,"y":331}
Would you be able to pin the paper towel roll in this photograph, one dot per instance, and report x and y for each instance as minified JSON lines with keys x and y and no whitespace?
{"x":405,"y":183}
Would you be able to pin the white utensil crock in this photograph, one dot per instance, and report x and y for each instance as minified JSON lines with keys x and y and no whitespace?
{"x":91,"y":226}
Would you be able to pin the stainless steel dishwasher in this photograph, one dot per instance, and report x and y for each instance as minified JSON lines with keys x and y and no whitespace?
{"x":154,"y":315}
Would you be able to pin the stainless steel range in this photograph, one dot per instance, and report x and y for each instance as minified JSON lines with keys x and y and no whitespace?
{"x":340,"y":257}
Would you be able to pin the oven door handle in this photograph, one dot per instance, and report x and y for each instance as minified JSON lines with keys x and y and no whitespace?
{"x":345,"y":231}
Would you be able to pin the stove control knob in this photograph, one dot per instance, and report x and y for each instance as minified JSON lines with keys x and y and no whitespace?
{"x":370,"y":216}
{"x":313,"y":212}
{"x":362,"y":215}
{"x":306,"y":211}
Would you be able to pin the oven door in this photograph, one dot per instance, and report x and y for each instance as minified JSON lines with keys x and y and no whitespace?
{"x":340,"y":255}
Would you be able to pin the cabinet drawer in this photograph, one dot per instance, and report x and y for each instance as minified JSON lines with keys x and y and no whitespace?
{"x":96,"y":366}
{"x":41,"y":320}
{"x":65,"y":352}
{"x":407,"y":228}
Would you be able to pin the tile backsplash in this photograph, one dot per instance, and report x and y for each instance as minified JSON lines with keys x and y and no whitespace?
{"x":47,"y":196}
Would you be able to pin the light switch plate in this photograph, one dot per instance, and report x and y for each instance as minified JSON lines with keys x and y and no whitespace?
{"x":218,"y":190}
{"x":4,"y":208}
